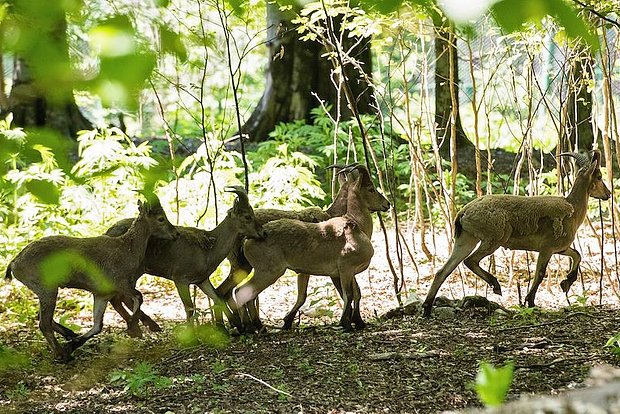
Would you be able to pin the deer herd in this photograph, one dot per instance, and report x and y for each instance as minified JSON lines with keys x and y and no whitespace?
{"x":335,"y":242}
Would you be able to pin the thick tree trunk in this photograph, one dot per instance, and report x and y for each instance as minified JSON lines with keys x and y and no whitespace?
{"x":503,"y":162}
{"x":295,"y":70}
{"x":446,"y":51}
{"x":45,"y":106}
{"x":32,"y":108}
{"x":579,"y":130}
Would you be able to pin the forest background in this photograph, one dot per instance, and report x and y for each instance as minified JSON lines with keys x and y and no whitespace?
{"x":100,"y":98}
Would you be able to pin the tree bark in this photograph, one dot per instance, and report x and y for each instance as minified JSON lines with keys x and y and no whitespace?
{"x":579,"y":129}
{"x":445,"y":52}
{"x":503,"y":162}
{"x":295,"y":70}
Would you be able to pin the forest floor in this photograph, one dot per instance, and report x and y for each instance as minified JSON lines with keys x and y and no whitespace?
{"x":400,"y":363}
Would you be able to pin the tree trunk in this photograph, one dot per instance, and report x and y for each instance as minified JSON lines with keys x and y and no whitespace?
{"x":295,"y":70}
{"x":579,"y":130}
{"x":445,"y":50}
{"x":503,"y":162}
{"x":45,"y":106}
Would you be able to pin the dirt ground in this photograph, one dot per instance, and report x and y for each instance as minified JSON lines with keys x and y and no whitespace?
{"x":400,"y":363}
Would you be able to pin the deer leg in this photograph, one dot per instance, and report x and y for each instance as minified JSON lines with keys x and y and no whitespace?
{"x":574,"y":268}
{"x":238,"y":272}
{"x":347,"y":281}
{"x":541,"y":268}
{"x":219,"y":303}
{"x":472,"y":262}
{"x":246,"y":293}
{"x":99,"y":305}
{"x":64,"y":331}
{"x":302,"y":294}
{"x":357,"y":317}
{"x":463,"y":246}
{"x":117,"y":303}
{"x":47,"y":304}
{"x":133,"y":324}
{"x":186,"y":298}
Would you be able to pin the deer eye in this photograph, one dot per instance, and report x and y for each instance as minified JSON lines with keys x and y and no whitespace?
{"x":161,"y":219}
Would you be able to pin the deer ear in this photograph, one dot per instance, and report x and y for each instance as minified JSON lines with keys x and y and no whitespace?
{"x":596,"y":158}
{"x":142,"y":207}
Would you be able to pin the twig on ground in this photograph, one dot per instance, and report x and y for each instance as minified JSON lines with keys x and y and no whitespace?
{"x":242,"y":374}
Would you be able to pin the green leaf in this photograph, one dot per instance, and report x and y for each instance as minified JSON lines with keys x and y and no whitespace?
{"x":61,"y":146}
{"x":58,"y":267}
{"x":512,"y":14}
{"x":121,"y":78}
{"x":238,"y":6}
{"x":492,"y":384}
{"x":113,"y":37}
{"x":44,"y":190}
{"x":172,"y":43}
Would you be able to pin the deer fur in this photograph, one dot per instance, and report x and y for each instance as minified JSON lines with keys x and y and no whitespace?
{"x":339,"y":247}
{"x":196,"y":253}
{"x":544,"y":224}
{"x":106,"y":266}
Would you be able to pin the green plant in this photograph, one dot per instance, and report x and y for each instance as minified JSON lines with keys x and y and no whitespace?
{"x":220,"y":388}
{"x":20,"y":391}
{"x":353,"y":368}
{"x":11,"y":359}
{"x":306,"y":366}
{"x":283,"y":395}
{"x":492,"y":384}
{"x":613,"y":345}
{"x":140,"y":379}
{"x":525,"y":313}
{"x":286,"y":179}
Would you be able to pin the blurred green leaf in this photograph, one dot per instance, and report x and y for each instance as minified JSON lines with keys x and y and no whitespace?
{"x":154,"y":175}
{"x":58,"y":267}
{"x":44,"y":190}
{"x":172,"y":43}
{"x":35,"y":30}
{"x":384,"y":6}
{"x":113,"y":37}
{"x":201,"y":334}
{"x":122,"y":77}
{"x":492,"y":384}
{"x":239,"y":7}
{"x":512,"y":14}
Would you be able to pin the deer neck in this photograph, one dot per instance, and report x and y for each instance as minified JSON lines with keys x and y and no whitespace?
{"x":578,"y":197}
{"x":138,"y":237}
{"x":359,"y":212}
{"x":226,"y":236}
{"x":339,"y":206}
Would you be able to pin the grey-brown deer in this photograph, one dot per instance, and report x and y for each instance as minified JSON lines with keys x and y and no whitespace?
{"x":543,"y":224}
{"x":106,"y":266}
